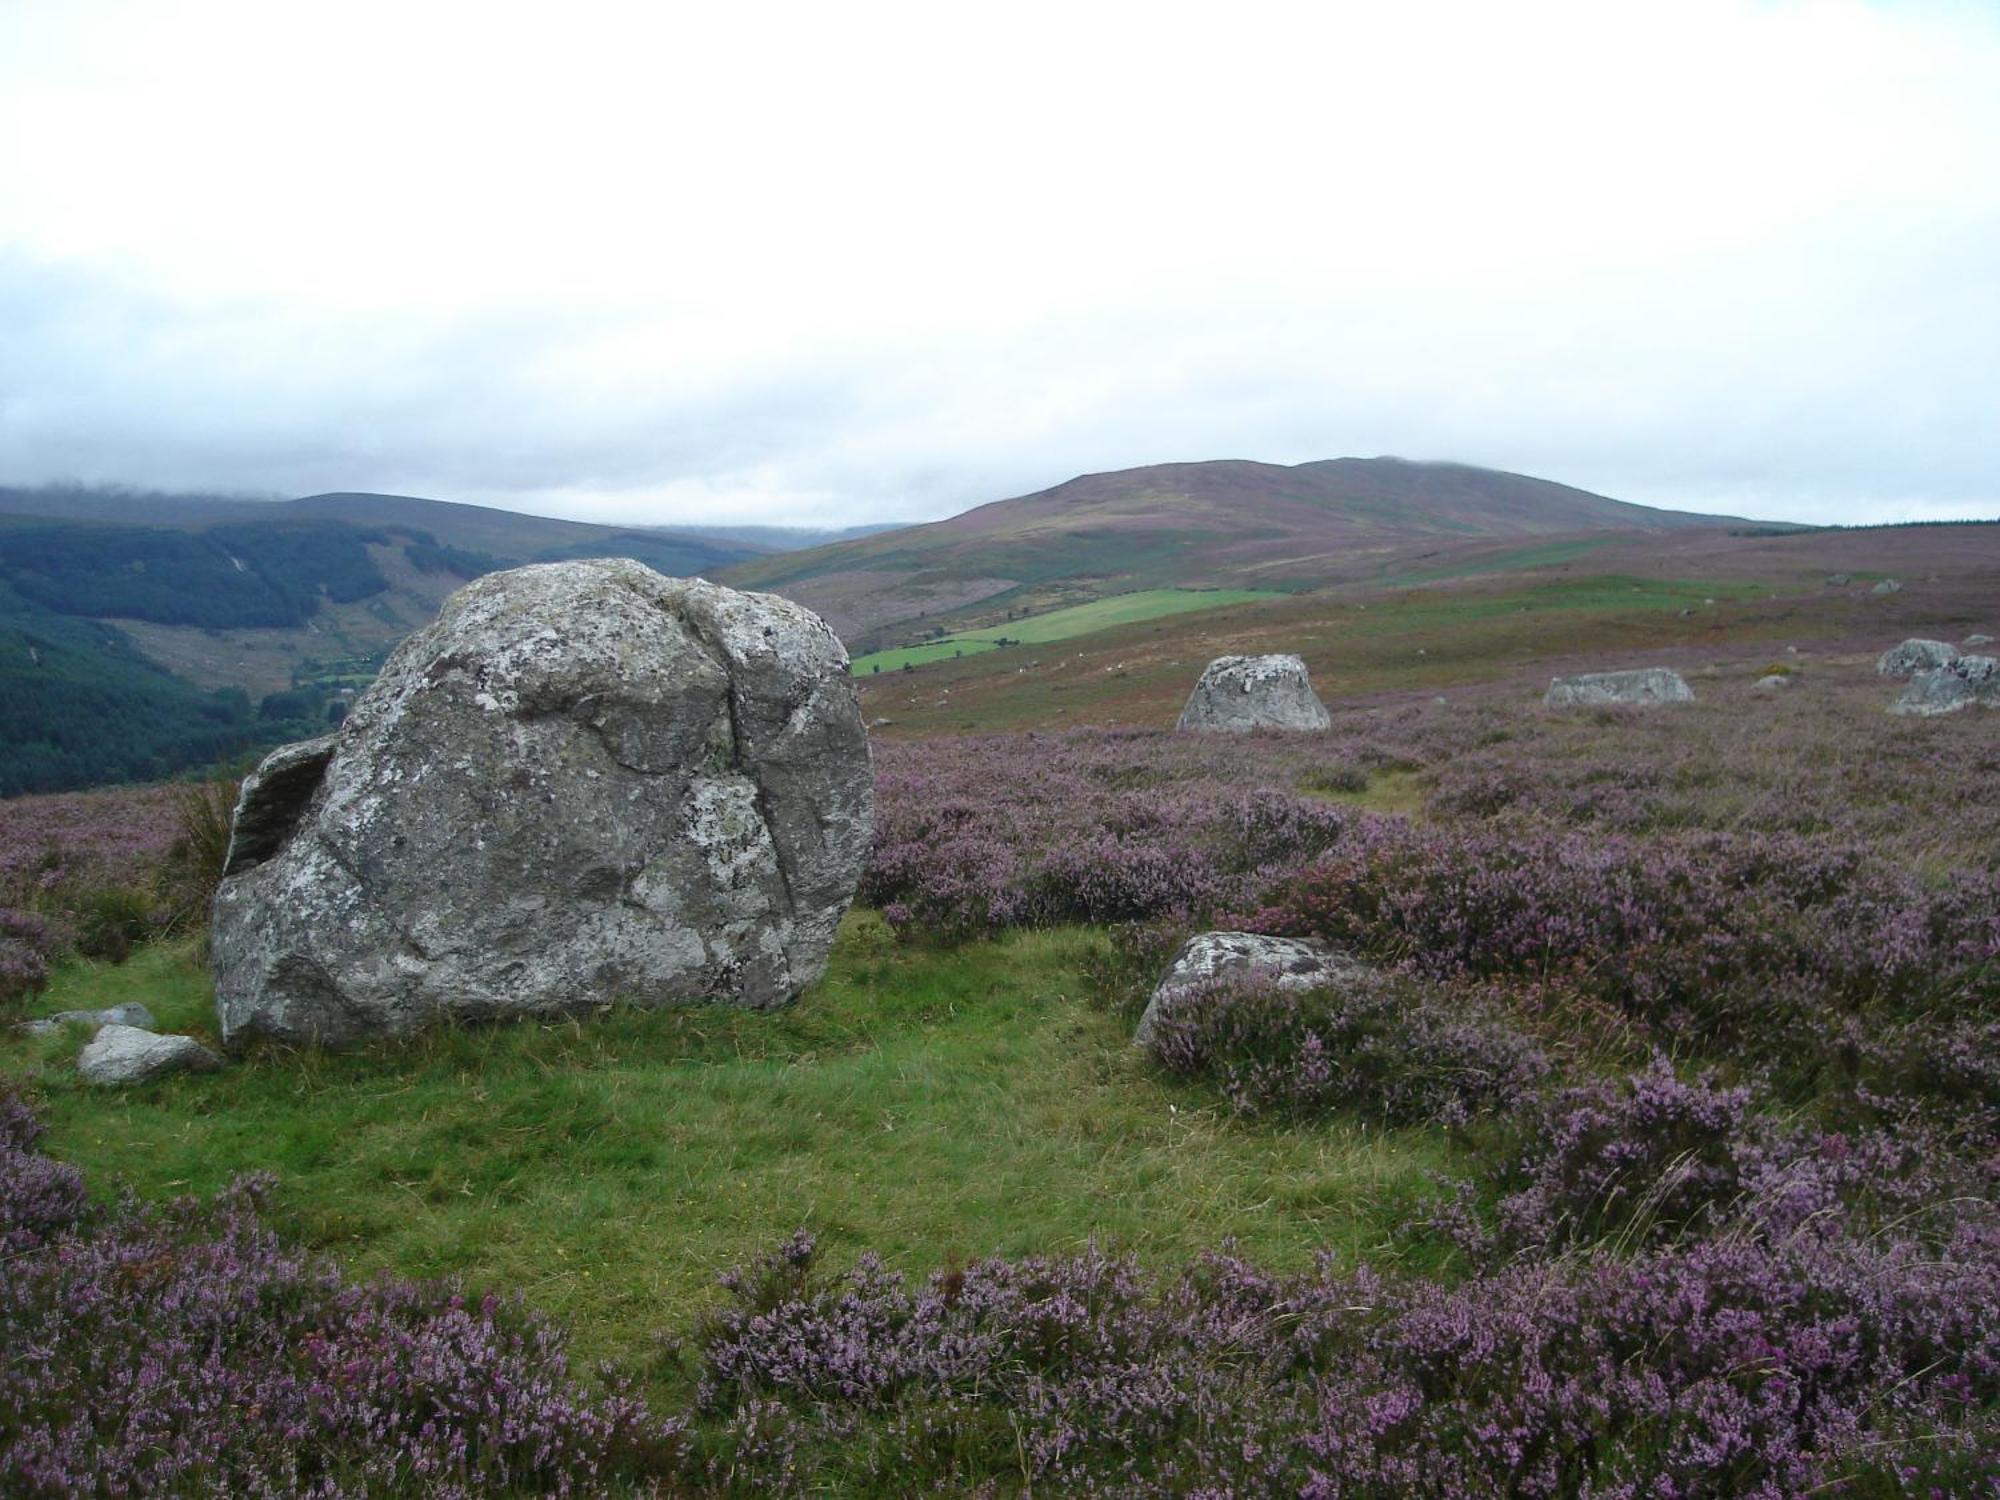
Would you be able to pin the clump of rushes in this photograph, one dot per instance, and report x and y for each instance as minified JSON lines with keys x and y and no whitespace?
{"x":193,"y":868}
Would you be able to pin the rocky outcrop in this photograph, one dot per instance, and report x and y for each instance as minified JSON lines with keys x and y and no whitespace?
{"x":584,"y":784}
{"x":1254,"y":692}
{"x":131,"y":1013}
{"x":1210,"y":958}
{"x":1643,"y":686}
{"x":1916,"y":655}
{"x":125,"y":1054}
{"x":1966,"y":682}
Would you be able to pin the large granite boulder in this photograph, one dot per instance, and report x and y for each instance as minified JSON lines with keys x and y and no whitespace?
{"x":1965,"y":682}
{"x":1916,"y":655}
{"x":1211,"y":958}
{"x":1254,"y":692}
{"x":1644,"y":686}
{"x":120,"y":1055}
{"x":585,"y":783}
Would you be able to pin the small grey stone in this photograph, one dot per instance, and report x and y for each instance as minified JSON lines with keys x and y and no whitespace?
{"x":1838,"y":580}
{"x":1289,"y":963}
{"x":1645,"y":686}
{"x":1887,"y":586}
{"x":125,"y":1054}
{"x":1915,"y":655}
{"x":1774,"y":680}
{"x":1240,"y":693}
{"x":131,"y":1013}
{"x":1976,"y":639}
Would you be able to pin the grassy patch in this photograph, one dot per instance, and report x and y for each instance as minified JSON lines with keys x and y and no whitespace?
{"x":926,"y":1103}
{"x":1064,"y":624}
{"x":1401,"y":792}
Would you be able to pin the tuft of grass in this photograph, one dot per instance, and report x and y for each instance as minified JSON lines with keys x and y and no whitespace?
{"x":930,"y":1104}
{"x":205,"y":812}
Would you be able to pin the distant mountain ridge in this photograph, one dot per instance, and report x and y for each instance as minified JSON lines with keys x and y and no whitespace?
{"x":505,"y":533}
{"x":1227,"y":523}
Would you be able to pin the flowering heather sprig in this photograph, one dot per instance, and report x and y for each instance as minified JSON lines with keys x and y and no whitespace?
{"x":25,"y":943}
{"x":1736,"y":1366}
{"x":1390,"y":1050}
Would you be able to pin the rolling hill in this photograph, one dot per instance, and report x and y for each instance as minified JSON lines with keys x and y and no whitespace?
{"x":1233,"y":524}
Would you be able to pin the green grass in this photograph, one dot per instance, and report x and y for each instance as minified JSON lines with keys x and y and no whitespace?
{"x":925,"y":1103}
{"x":1064,"y":624}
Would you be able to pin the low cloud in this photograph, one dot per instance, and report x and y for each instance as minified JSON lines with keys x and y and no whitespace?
{"x":1712,"y":256}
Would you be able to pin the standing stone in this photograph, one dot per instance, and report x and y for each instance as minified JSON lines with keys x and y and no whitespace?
{"x":125,"y":1054}
{"x":1210,"y":958}
{"x":1254,"y":692}
{"x":1915,"y":655}
{"x":1644,"y":686}
{"x":585,"y":783}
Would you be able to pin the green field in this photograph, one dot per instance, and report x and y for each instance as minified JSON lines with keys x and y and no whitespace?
{"x":926,"y":1103}
{"x":1063,"y":624}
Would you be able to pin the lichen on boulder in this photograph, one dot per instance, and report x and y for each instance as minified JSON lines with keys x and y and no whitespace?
{"x":1641,"y":686}
{"x":1254,"y":692}
{"x":584,"y":784}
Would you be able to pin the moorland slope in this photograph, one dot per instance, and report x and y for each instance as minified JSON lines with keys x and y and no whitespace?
{"x":1230,"y":524}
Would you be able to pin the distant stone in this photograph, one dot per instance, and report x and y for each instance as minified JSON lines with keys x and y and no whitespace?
{"x":1838,"y":580}
{"x":1968,"y":681}
{"x":1976,"y":639}
{"x":1887,"y":586}
{"x":1644,"y":686}
{"x":132,"y":1013}
{"x":1915,"y":655}
{"x":1774,"y":680}
{"x":1210,"y":958}
{"x":584,"y":784}
{"x":1254,"y":692}
{"x":125,"y":1054}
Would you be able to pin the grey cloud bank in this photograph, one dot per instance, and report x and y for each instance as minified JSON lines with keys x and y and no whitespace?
{"x":1742,"y":258}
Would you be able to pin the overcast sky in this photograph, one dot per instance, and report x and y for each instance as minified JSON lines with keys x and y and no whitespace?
{"x":844,"y":262}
